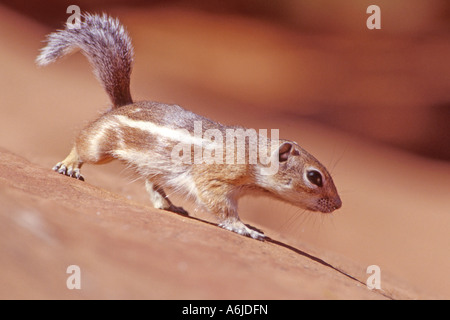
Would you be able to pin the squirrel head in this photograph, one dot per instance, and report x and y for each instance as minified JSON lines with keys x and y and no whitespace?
{"x":300,"y":179}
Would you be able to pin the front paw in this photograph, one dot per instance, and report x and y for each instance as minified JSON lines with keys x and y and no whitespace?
{"x":240,"y":228}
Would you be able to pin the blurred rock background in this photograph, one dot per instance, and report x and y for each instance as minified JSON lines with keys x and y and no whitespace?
{"x":308,"y":59}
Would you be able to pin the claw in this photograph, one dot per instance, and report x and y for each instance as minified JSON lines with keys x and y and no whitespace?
{"x":68,"y":171}
{"x":78,"y":175}
{"x":56,"y":167}
{"x":62,"y":169}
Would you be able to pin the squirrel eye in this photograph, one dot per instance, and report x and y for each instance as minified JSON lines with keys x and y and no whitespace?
{"x":315,"y":177}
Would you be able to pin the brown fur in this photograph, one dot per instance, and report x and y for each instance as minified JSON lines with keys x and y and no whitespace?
{"x":144,"y":135}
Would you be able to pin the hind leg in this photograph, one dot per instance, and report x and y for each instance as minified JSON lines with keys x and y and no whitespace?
{"x":93,"y":145}
{"x":71,"y":165}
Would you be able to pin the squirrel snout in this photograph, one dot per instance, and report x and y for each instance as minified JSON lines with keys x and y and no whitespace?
{"x":337,"y":203}
{"x":328,"y":205}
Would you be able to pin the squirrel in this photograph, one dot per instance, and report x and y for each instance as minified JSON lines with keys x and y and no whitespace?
{"x":145,"y":134}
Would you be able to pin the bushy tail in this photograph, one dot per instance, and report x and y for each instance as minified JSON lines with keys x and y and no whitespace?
{"x":106,"y":44}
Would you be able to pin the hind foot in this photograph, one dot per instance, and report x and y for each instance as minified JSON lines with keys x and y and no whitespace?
{"x":69,"y":171}
{"x":70,"y":166}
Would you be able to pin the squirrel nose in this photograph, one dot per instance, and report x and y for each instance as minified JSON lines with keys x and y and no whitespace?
{"x":337,"y":202}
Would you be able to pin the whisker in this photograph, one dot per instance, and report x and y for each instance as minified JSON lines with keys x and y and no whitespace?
{"x":292,"y":220}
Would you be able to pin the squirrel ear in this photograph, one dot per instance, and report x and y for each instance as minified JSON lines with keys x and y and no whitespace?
{"x":284,"y":151}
